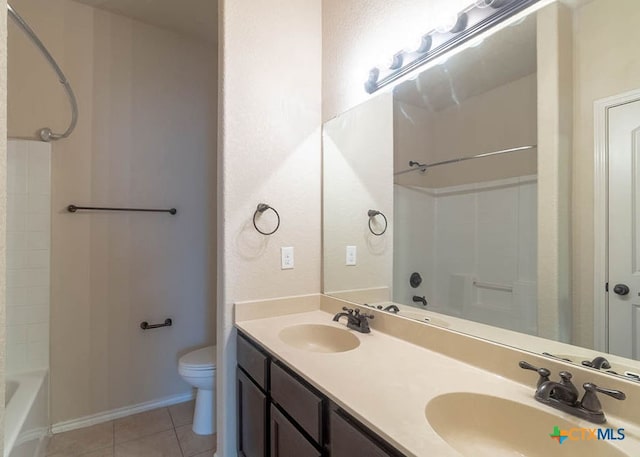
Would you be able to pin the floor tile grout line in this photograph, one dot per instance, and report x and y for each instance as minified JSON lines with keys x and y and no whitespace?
{"x":171,"y":416}
{"x":175,"y":432}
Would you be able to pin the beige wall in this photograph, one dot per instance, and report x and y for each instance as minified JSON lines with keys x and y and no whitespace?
{"x":145,"y":137}
{"x":270,"y":138}
{"x":504,"y":117}
{"x":357,"y":157}
{"x":3,"y":202}
{"x":604,"y":38}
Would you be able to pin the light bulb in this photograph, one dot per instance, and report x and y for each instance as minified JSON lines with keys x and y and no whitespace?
{"x":483,"y":3}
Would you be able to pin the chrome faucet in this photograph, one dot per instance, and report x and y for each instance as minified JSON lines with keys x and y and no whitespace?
{"x":355,"y":319}
{"x":563,"y":395}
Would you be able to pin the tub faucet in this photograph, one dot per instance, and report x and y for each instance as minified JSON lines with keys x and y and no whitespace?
{"x":417,"y":299}
{"x":564,"y":395}
{"x":599,"y":363}
{"x":355,"y":319}
{"x":392,"y":309}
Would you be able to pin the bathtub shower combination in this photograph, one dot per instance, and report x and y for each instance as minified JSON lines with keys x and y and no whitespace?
{"x":28,"y":272}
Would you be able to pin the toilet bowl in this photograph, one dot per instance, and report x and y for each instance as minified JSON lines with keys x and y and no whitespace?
{"x":198,"y":368}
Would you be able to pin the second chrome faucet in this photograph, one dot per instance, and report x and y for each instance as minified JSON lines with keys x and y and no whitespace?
{"x":563,"y":395}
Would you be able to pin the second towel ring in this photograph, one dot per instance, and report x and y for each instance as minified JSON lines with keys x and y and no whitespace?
{"x":373,"y":213}
{"x":262,"y":207}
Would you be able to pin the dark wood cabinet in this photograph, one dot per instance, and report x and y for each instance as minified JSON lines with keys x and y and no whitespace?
{"x":349,"y":440}
{"x":281,"y":415}
{"x":252,"y":418}
{"x":254,"y":362}
{"x":286,"y":440}
{"x":301,"y":403}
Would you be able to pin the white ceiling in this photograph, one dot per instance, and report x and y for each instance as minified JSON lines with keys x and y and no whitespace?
{"x":506,"y":56}
{"x":196,"y":18}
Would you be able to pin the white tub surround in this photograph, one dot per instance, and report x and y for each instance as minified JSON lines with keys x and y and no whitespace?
{"x":401,"y":365}
{"x":26,"y":415}
{"x":28,"y":255}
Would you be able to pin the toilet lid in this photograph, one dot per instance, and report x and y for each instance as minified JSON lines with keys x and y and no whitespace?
{"x":200,"y":359}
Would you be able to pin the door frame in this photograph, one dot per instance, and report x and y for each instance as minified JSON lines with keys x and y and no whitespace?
{"x":601,"y":214}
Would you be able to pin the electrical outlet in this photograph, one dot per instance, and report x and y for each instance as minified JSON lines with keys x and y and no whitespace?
{"x":286,"y":258}
{"x":351,"y":255}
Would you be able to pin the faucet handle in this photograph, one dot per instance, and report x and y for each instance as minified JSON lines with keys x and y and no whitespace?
{"x":348,"y":310}
{"x":543,"y":372}
{"x":590,"y":399}
{"x":358,"y":313}
{"x":570,"y":395}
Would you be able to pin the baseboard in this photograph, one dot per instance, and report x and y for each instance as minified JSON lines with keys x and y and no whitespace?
{"x":117,"y":413}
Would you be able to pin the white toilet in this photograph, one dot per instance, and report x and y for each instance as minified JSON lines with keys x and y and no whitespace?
{"x":198,"y":368}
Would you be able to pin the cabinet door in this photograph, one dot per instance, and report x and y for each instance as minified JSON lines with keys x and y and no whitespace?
{"x":252,"y":418}
{"x":349,"y":441}
{"x":300,"y":403}
{"x":286,"y":440}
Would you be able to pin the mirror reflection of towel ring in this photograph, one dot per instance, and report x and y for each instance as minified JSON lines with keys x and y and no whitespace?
{"x":262,"y":207}
{"x":373,"y":213}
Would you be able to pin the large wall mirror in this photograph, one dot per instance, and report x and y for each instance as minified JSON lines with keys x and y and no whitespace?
{"x":493,"y":193}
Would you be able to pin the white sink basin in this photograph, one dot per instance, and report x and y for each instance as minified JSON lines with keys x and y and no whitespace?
{"x":485,"y":426}
{"x":319,"y":338}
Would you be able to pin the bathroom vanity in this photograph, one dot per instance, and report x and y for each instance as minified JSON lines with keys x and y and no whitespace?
{"x":280,"y":414}
{"x":308,"y":386}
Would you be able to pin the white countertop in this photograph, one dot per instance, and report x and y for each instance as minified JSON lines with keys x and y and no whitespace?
{"x":387,"y":382}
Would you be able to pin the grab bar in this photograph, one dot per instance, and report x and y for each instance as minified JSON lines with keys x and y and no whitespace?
{"x":494,"y":286}
{"x":146,"y":326}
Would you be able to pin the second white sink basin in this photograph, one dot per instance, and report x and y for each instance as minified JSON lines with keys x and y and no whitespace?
{"x":485,"y":426}
{"x":319,"y":338}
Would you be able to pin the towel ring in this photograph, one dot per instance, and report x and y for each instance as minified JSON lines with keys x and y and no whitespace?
{"x":262,"y":207}
{"x":373,"y":213}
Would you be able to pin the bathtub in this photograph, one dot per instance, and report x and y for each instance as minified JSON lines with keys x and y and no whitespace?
{"x":26,"y":414}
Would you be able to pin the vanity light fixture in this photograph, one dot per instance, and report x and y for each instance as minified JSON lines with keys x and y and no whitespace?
{"x":473,"y":20}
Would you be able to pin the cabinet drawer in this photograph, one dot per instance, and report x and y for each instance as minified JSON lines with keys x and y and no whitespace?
{"x":303,"y":405}
{"x":347,"y":440}
{"x":254,"y":362}
{"x":286,"y":440}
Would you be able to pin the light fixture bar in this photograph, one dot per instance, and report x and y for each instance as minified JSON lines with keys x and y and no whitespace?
{"x":471,"y":22}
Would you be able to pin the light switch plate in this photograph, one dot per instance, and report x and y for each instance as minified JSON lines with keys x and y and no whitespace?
{"x":286,"y":258}
{"x":351,"y":255}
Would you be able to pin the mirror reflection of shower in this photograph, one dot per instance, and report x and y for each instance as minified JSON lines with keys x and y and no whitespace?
{"x":465,"y":186}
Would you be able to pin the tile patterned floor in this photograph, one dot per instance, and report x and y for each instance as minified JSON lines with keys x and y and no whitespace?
{"x":164,"y":432}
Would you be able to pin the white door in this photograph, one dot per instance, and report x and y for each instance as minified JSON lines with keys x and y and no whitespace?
{"x":624,"y":230}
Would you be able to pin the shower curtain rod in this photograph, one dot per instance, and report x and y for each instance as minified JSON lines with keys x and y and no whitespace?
{"x":46,"y":134}
{"x":423,"y":166}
